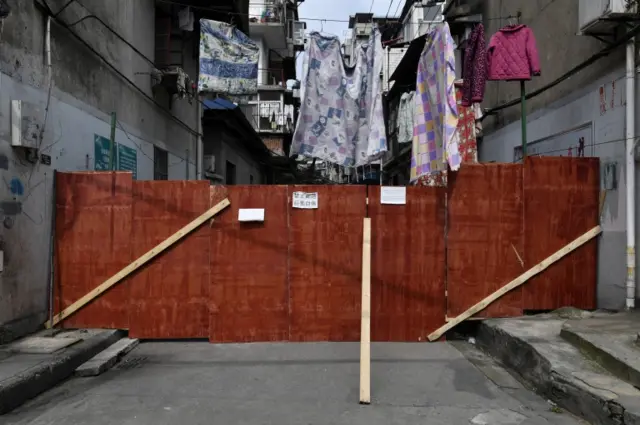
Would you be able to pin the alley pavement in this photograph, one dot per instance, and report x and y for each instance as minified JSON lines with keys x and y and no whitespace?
{"x":293,"y":384}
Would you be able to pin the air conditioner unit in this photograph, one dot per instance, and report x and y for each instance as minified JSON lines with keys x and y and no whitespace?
{"x":601,"y":16}
{"x":210,"y":163}
{"x":362,"y":31}
{"x":298,"y":33}
{"x":174,"y":80}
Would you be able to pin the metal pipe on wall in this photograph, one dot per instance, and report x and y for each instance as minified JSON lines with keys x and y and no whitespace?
{"x":631,"y":174}
{"x":199,"y":142}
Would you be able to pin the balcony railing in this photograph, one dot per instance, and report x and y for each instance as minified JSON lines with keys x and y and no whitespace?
{"x":270,"y":116}
{"x":266,"y":12}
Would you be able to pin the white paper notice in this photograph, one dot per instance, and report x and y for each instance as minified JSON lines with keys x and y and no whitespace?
{"x":306,"y":200}
{"x":393,"y":195}
{"x":251,"y":214}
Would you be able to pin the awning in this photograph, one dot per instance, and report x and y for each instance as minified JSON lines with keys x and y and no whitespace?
{"x":221,"y":112}
{"x":405,"y":75}
{"x":407,"y":69}
{"x":219,"y":104}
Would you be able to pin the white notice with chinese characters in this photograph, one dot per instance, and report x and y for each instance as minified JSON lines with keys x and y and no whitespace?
{"x":251,"y":214}
{"x":393,"y":195}
{"x":305,"y":200}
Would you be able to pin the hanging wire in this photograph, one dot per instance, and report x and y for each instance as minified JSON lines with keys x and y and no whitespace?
{"x":389,"y":10}
{"x":137,"y":145}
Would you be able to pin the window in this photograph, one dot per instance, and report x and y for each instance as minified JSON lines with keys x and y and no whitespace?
{"x":230,"y":173}
{"x":160,"y":164}
{"x":250,"y":178}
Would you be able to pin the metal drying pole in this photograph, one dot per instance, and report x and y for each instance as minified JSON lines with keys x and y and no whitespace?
{"x":523,"y":119}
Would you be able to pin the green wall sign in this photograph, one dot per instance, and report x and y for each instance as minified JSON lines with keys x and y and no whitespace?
{"x":126,"y":158}
{"x":102,"y":151}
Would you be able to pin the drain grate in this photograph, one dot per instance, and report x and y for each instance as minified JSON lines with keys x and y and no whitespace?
{"x":132,"y":362}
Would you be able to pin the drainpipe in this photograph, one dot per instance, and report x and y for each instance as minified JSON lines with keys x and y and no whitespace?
{"x":631,"y":175}
{"x":199,"y":142}
{"x":47,"y":54}
{"x":47,"y":46}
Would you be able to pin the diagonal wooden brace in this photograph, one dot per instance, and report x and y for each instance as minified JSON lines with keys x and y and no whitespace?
{"x":144,"y":259}
{"x":540,"y":267}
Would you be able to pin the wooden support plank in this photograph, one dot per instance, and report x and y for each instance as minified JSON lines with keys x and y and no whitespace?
{"x":540,"y":267}
{"x":365,"y":327}
{"x":145,"y":258}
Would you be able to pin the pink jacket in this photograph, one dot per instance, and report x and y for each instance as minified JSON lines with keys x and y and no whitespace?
{"x":512,"y":54}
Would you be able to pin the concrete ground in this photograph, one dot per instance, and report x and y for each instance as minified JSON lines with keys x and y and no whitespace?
{"x":293,"y":384}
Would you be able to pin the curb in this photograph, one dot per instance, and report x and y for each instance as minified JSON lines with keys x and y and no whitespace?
{"x":609,"y":361}
{"x":25,"y":386}
{"x":568,"y":392}
{"x":106,"y":359}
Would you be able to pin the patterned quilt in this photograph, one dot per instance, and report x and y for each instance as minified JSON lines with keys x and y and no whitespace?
{"x":228,"y":60}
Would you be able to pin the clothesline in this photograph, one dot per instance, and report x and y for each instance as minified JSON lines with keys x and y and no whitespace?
{"x":317,"y":19}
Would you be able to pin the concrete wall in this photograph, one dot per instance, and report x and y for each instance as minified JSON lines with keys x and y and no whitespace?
{"x":413,"y":28}
{"x":555,"y":25}
{"x":263,"y":60}
{"x":552,"y":130}
{"x":85,"y":91}
{"x":218,"y":142}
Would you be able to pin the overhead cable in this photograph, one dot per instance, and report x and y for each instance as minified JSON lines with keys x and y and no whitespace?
{"x":117,"y":71}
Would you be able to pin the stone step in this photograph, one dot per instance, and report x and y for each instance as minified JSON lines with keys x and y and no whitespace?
{"x":26,"y":380}
{"x":533,"y":348}
{"x":613,"y":347}
{"x":106,"y":359}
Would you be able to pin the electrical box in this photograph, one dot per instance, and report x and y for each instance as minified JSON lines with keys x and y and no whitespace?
{"x":26,"y":124}
{"x":609,"y":176}
{"x":298,"y":33}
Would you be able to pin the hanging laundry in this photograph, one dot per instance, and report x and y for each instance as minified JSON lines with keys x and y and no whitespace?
{"x":475,"y":67}
{"x":435,"y":179}
{"x":393,"y":117}
{"x":436,"y":117}
{"x":341,"y":117}
{"x":406,"y":111}
{"x":467,"y":141}
{"x":228,"y":60}
{"x":288,"y":116}
{"x":265,"y":110}
{"x":477,"y":112}
{"x":512,"y":54}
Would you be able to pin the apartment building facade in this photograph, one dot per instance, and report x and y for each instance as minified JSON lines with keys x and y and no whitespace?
{"x":275,"y":27}
{"x":77,"y":76}
{"x":579,"y":110}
